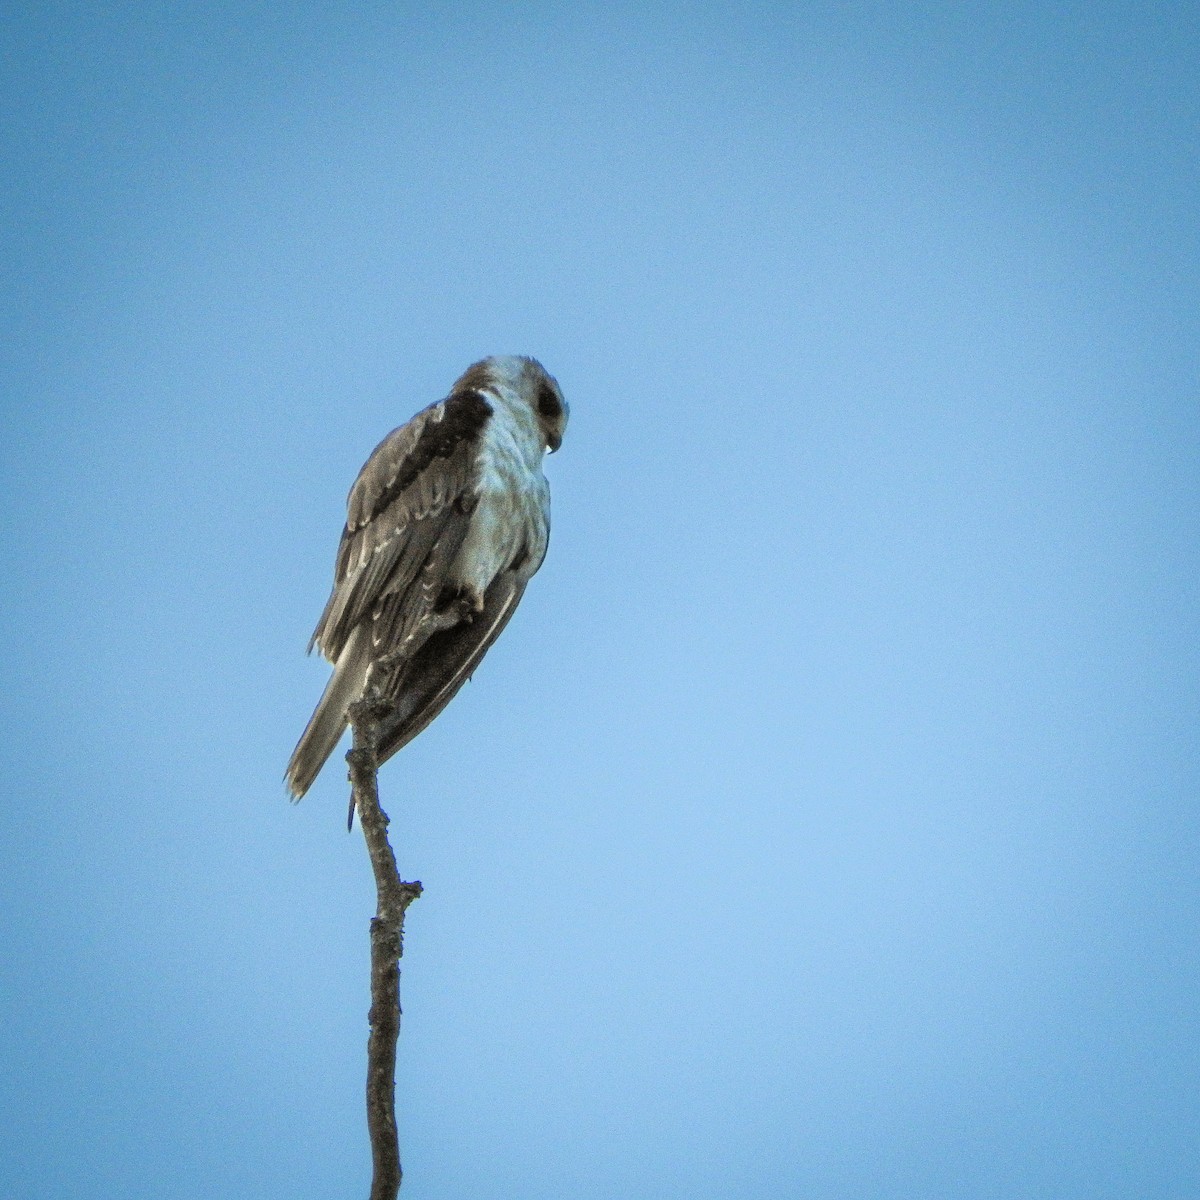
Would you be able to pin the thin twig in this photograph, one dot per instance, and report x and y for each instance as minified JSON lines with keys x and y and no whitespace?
{"x":387,"y":945}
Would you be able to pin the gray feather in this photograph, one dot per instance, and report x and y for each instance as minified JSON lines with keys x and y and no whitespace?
{"x":327,"y":723}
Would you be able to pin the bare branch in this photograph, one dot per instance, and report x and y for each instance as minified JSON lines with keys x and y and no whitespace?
{"x":387,"y":945}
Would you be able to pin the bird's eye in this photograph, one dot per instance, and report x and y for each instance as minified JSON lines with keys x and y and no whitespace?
{"x":547,"y":402}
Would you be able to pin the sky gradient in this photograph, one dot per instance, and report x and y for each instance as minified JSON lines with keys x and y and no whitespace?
{"x":825,"y":823}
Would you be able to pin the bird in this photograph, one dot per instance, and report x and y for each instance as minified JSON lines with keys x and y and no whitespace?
{"x":446,"y":524}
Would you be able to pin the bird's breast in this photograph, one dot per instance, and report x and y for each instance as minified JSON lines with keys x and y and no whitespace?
{"x":511,"y":521}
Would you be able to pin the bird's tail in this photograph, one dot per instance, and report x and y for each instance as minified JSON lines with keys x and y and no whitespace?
{"x":325,"y":726}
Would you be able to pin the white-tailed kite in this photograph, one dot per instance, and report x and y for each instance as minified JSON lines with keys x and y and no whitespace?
{"x":446,"y":523}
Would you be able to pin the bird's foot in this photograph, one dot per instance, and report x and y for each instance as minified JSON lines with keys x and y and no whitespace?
{"x":458,"y":605}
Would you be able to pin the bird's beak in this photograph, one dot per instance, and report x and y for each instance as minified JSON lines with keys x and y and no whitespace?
{"x":553,"y":440}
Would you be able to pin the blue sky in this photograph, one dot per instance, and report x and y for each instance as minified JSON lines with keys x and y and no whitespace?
{"x":825,"y":823}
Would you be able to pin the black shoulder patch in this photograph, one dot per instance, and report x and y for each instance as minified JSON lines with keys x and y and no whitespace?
{"x":465,"y":414}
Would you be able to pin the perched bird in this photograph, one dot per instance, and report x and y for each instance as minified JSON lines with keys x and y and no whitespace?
{"x":446,"y":523}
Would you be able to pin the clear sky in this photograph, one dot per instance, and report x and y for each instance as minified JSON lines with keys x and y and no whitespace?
{"x":825,"y":824}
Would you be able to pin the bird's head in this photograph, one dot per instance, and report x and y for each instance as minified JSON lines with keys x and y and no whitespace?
{"x":531,"y":382}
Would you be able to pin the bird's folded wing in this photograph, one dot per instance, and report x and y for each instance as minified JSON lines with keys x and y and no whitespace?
{"x":411,"y":504}
{"x":442,"y":663}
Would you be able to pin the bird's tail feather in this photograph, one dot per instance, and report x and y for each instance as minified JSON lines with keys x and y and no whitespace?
{"x":328,"y":721}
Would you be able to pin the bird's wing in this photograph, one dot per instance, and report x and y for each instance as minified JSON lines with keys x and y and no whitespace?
{"x":444,"y":662}
{"x":407,"y":516}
